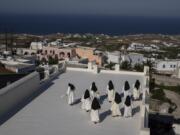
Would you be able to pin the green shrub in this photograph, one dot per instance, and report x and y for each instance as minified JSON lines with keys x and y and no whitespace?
{"x":53,"y":60}
{"x":158,"y":94}
{"x":125,"y":65}
{"x":172,"y":88}
{"x":139,"y":67}
{"x":110,"y":65}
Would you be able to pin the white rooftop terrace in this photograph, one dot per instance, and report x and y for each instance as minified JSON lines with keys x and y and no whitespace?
{"x":49,"y":113}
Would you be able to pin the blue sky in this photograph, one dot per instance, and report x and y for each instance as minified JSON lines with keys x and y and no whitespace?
{"x":159,"y":8}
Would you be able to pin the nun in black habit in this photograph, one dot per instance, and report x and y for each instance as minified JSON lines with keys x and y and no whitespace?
{"x":95,"y":107}
{"x":86,"y":101}
{"x":94,"y":91}
{"x":110,"y":91}
{"x":70,"y":93}
{"x":126,"y":89}
{"x":136,"y":90}
{"x":128,"y":107}
{"x":115,"y":108}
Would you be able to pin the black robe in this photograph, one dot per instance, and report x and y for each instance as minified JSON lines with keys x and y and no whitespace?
{"x":128,"y":101}
{"x":126,"y":86}
{"x":111,"y":86}
{"x":117,"y":98}
{"x":137,"y":84}
{"x":95,"y":104}
{"x":72,"y":87}
{"x":94,"y":88}
{"x":86,"y":94}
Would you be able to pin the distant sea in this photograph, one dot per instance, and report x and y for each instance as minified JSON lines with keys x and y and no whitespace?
{"x":112,"y":25}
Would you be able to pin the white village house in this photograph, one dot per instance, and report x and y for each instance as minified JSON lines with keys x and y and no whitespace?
{"x":142,"y":47}
{"x":133,"y":58}
{"x":36,"y":45}
{"x":113,"y":57}
{"x":135,"y":46}
{"x":166,"y":66}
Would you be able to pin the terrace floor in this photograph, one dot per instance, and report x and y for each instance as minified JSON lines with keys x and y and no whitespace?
{"x":49,"y":113}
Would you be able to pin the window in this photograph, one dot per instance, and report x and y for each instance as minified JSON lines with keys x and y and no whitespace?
{"x":62,"y":54}
{"x":68,"y":54}
{"x":164,"y":66}
{"x":174,"y":66}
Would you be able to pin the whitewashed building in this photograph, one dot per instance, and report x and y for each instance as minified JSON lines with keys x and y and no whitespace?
{"x":36,"y":45}
{"x":113,"y":57}
{"x":141,"y":47}
{"x":167,"y":66}
{"x":135,"y":46}
{"x":133,"y":58}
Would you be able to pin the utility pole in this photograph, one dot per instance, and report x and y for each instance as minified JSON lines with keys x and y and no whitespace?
{"x":6,"y":39}
{"x":12,"y":40}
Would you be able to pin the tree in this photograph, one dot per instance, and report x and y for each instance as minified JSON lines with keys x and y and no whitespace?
{"x":125,"y":65}
{"x":110,"y":65}
{"x":139,"y":67}
{"x":43,"y":60}
{"x":53,"y":60}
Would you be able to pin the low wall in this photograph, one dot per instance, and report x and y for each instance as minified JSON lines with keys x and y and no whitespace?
{"x":106,"y":71}
{"x":78,"y":69}
{"x":145,"y":130}
{"x":122,"y":72}
{"x":176,"y":129}
{"x":14,"y":93}
{"x":169,"y":81}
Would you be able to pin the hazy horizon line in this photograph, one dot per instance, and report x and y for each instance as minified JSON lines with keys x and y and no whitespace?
{"x":89,"y":15}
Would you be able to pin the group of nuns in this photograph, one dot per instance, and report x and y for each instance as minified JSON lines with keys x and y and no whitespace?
{"x":90,"y":99}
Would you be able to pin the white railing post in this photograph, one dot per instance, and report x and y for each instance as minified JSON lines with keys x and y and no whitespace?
{"x":90,"y":66}
{"x":95,"y":69}
{"x":117,"y":67}
{"x":146,"y":70}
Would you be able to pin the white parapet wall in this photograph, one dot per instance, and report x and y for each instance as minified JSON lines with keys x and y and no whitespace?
{"x":90,"y":66}
{"x":145,"y":130}
{"x":14,"y":93}
{"x":146,"y":70}
{"x":95,"y":69}
{"x":176,"y":128}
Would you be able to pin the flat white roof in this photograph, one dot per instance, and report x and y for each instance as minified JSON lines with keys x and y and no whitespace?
{"x":49,"y":113}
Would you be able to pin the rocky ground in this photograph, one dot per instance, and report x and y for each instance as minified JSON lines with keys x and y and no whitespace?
{"x":174,"y":97}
